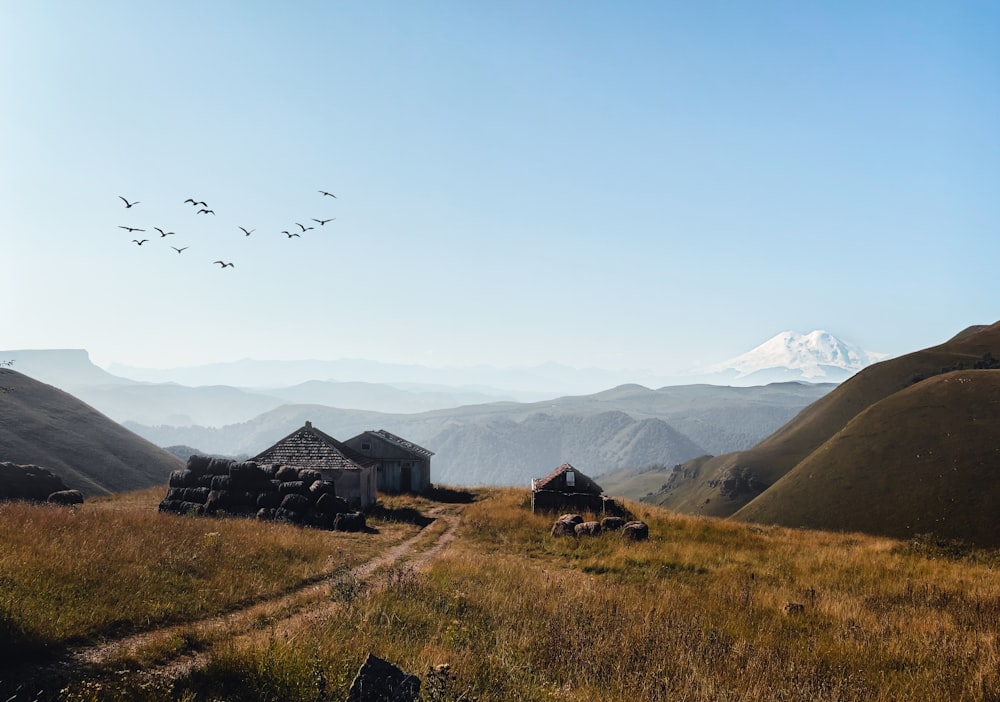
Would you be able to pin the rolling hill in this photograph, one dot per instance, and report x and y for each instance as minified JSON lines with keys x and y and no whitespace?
{"x":924,"y":459}
{"x":42,"y":425}
{"x":723,"y":485}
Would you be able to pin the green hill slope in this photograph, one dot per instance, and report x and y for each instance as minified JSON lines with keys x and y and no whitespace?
{"x":723,"y":485}
{"x":925,"y":459}
{"x":42,"y":425}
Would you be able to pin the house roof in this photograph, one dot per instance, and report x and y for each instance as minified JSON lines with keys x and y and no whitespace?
{"x":401,"y":443}
{"x":552,"y":482}
{"x":308,"y":447}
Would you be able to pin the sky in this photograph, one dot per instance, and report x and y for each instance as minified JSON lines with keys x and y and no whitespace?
{"x":641,"y":185}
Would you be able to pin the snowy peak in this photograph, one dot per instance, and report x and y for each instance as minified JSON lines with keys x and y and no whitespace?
{"x":817,"y":356}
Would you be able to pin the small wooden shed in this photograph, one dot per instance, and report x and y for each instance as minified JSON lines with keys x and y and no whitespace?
{"x":566,"y":488}
{"x":401,"y":465}
{"x":352,"y":473}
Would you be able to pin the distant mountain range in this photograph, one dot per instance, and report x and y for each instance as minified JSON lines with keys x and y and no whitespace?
{"x":907,"y":446}
{"x":815,"y":357}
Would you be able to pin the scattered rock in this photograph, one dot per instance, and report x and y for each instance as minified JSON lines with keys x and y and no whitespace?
{"x":380,"y":681}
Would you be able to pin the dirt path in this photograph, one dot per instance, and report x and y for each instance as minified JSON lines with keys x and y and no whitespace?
{"x":174,"y":651}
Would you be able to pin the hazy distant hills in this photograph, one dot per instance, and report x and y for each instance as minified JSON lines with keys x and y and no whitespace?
{"x":868,"y":444}
{"x":510,"y":443}
{"x":42,"y":425}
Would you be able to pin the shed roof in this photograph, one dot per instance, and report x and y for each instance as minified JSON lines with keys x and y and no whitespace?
{"x":308,"y":447}
{"x":401,"y":443}
{"x":552,"y":481}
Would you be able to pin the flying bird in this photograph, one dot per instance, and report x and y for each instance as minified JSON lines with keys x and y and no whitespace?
{"x":323,"y":221}
{"x":127,"y":203}
{"x":178,"y":250}
{"x":248,"y":233}
{"x":140,"y":243}
{"x":305,"y":228}
{"x":290,"y":235}
{"x":163,"y":233}
{"x":204,"y":211}
{"x":131,"y":229}
{"x":330,"y":194}
{"x":224,"y":265}
{"x":195,"y":203}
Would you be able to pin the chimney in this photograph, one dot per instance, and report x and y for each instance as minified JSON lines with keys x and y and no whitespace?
{"x":309,"y":425}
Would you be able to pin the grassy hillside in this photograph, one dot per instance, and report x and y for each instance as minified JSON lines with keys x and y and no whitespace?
{"x":705,"y":610}
{"x":924,"y":459}
{"x":725,"y":484}
{"x":42,"y":425}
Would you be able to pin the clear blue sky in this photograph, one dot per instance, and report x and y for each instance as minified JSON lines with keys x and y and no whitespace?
{"x":648,"y":185}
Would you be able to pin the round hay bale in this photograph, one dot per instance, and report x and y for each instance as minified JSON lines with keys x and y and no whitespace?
{"x":286,"y":515}
{"x":243,"y":498}
{"x":309,"y":476}
{"x":221,"y":482}
{"x":588,"y":529}
{"x":315,"y":518}
{"x":349,"y":521}
{"x":194,"y":509}
{"x":204,"y":480}
{"x":287,"y":473}
{"x":175,"y":494}
{"x":270,"y":500}
{"x":216,"y":500}
{"x":635,"y":531}
{"x":271,"y":471}
{"x":198,"y":464}
{"x":329,"y":503}
{"x":266,"y":514}
{"x":293,"y":487}
{"x":612,"y":523}
{"x":196,"y":494}
{"x":571,"y":518}
{"x":246,"y":473}
{"x":182,"y":478}
{"x":295,"y":503}
{"x":323,"y":487}
{"x":563,"y":527}
{"x":170,"y":506}
{"x":259,"y":486}
{"x":219,"y":466}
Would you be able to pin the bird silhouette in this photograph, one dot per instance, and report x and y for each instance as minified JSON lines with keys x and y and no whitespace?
{"x":195,"y":203}
{"x":330,"y":194}
{"x":305,"y":228}
{"x":248,"y":233}
{"x":131,"y":229}
{"x":163,"y":233}
{"x":127,"y":203}
{"x":178,"y":250}
{"x":224,"y":265}
{"x":323,"y":221}
{"x":290,"y":235}
{"x":140,"y":243}
{"x":204,"y":211}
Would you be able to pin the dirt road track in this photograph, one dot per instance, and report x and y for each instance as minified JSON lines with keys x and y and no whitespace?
{"x":41,"y":682}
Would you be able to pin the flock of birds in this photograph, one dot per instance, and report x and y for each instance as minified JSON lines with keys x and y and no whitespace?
{"x":204,"y":209}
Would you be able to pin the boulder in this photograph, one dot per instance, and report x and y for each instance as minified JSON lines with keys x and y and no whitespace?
{"x":66,"y":497}
{"x":349,"y":521}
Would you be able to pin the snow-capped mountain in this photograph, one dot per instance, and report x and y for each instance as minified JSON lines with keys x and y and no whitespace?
{"x":815,"y":357}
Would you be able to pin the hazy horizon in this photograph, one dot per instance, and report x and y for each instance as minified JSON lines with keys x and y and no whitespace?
{"x":652,"y":187}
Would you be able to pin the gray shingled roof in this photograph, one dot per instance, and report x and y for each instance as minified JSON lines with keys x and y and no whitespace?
{"x":308,"y":447}
{"x":402,"y":443}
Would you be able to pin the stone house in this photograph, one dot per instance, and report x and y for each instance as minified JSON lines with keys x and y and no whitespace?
{"x":566,"y":488}
{"x":401,"y":466}
{"x":352,"y":473}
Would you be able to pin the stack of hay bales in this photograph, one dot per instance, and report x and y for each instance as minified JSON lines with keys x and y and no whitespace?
{"x":268,"y":492}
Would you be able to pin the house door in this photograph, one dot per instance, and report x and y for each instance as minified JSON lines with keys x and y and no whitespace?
{"x":404,"y":478}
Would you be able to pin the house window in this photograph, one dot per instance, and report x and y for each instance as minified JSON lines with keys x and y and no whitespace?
{"x":570,"y":479}
{"x":366,"y":445}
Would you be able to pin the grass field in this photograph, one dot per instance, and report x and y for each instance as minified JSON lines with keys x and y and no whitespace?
{"x":699,"y":612}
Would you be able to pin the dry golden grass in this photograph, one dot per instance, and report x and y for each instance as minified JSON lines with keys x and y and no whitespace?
{"x":114,"y":566}
{"x":696,"y":613}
